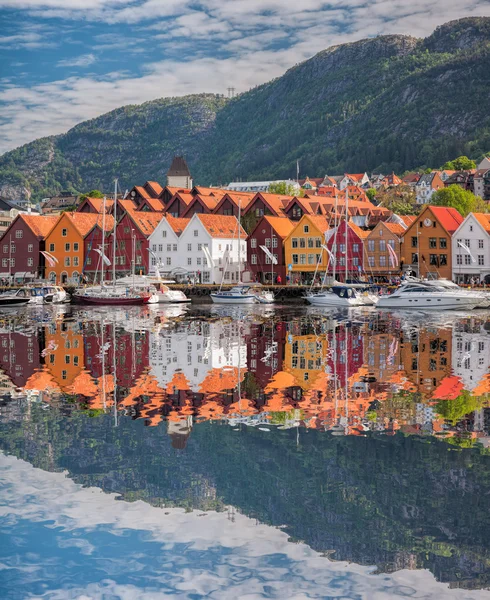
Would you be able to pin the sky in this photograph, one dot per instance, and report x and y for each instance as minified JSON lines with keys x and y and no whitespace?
{"x":63,"y":541}
{"x":65,"y":61}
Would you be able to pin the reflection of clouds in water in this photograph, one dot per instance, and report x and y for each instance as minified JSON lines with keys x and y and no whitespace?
{"x":91,"y":534}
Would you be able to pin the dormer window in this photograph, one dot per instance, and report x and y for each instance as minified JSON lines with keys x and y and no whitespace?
{"x":306,"y":229}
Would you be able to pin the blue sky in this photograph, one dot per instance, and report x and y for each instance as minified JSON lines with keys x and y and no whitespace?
{"x":64,"y":61}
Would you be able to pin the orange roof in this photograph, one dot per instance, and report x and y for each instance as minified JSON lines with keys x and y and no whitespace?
{"x":484,"y":220}
{"x":207,"y":191}
{"x":358,"y":231}
{"x":240,"y":199}
{"x":141,"y":191}
{"x":395,"y":228}
{"x":145,"y":221}
{"x":127,"y":204}
{"x":281,"y":225}
{"x":184,"y":196}
{"x":221,"y":226}
{"x":276,"y":202}
{"x":98,"y":203}
{"x":85,"y":222}
{"x":210,"y":202}
{"x":355,"y":176}
{"x":173,"y":190}
{"x":40,"y":225}
{"x":408,"y":219}
{"x":319,"y":222}
{"x":157,"y":188}
{"x":177,"y":224}
{"x":449,"y":218}
{"x":156,"y":204}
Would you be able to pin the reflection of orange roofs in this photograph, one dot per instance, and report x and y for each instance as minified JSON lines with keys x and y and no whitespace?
{"x":449,"y":388}
{"x":219,"y":380}
{"x":483,"y":386}
{"x":244,"y":407}
{"x":280,"y":381}
{"x":41,"y":380}
{"x":84,"y":385}
{"x":278,"y":402}
{"x":179,"y":382}
{"x":145,"y":385}
{"x":211,"y":409}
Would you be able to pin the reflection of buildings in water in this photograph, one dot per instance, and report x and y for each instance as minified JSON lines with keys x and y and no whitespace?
{"x":426,"y":356}
{"x":471,"y":354}
{"x":179,"y":431}
{"x":19,"y":356}
{"x":63,"y":353}
{"x":265,"y":345}
{"x":196,"y":354}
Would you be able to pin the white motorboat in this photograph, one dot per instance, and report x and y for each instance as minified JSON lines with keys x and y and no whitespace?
{"x":264,"y":297}
{"x":240,"y":294}
{"x":336,"y":296}
{"x":429,"y":295}
{"x":14,"y":298}
{"x":451,"y":286}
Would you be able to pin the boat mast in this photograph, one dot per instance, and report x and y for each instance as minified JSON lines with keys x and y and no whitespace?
{"x":103,"y":244}
{"x":239,"y":242}
{"x":114,"y":237}
{"x":334,"y":246}
{"x":346,"y":233}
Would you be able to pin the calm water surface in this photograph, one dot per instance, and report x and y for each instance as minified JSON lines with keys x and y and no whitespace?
{"x":219,"y":452}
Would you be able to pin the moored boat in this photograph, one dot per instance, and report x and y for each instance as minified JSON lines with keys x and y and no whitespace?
{"x":240,"y":294}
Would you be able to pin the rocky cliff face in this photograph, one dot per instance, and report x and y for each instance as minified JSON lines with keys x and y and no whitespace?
{"x":389,"y":103}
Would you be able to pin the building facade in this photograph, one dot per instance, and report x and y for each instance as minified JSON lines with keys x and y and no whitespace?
{"x":303,"y":250}
{"x":471,"y":249}
{"x":271,"y":233}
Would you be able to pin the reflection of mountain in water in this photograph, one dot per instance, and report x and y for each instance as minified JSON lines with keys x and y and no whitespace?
{"x":397,"y":502}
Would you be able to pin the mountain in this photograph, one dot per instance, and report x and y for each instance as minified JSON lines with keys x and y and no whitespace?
{"x":388,"y":103}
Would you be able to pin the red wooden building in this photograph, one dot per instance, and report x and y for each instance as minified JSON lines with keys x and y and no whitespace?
{"x":350,"y":247}
{"x":269,"y":232}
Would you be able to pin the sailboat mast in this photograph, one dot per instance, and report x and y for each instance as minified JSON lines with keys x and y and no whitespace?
{"x":334,"y":247}
{"x":346,"y":233}
{"x":114,"y":236}
{"x":239,"y":242}
{"x":103,"y":244}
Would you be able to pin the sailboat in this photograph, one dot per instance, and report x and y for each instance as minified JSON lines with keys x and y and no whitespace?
{"x":240,"y":293}
{"x":115,"y":294}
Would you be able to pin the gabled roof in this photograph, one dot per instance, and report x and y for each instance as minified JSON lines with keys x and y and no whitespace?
{"x":448,"y":217}
{"x":154,"y":203}
{"x":484,"y":220}
{"x":281,"y":225}
{"x":178,"y":168}
{"x":98,"y":204}
{"x":207,"y":191}
{"x":355,"y":176}
{"x":221,"y":226}
{"x":141,"y":191}
{"x":319,"y":222}
{"x":411,"y":178}
{"x":145,"y":221}
{"x":209,"y":202}
{"x":177,"y":224}
{"x":173,"y":190}
{"x":276,"y":203}
{"x":85,"y":222}
{"x":155,"y":187}
{"x":239,"y":199}
{"x":395,"y":228}
{"x":40,"y":225}
{"x":408,"y":219}
{"x":186,"y":198}
{"x":127,"y":204}
{"x":358,"y":231}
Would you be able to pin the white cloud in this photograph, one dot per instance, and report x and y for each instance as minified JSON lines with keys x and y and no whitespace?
{"x":80,"y":61}
{"x":224,"y":44}
{"x":240,"y":558}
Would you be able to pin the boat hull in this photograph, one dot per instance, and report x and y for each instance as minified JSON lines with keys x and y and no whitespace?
{"x":14,"y":302}
{"x":333,"y":300}
{"x":434,"y":303}
{"x":218,"y":299}
{"x":108,"y":301}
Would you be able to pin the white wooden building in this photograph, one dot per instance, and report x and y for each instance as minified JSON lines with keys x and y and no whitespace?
{"x":471,"y":249}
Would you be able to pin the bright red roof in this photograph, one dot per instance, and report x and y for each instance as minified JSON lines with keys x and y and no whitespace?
{"x":448,"y":217}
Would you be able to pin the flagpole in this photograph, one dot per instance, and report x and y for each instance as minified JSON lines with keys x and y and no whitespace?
{"x":103,"y":244}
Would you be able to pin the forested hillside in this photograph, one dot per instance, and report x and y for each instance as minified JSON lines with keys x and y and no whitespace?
{"x":388,"y":103}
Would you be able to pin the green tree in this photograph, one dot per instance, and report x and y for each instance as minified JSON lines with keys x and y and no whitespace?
{"x":91,"y":194}
{"x":371,"y":193}
{"x":462,"y":163}
{"x":400,"y":200}
{"x":455,"y":410}
{"x":462,"y":200}
{"x":283,"y":188}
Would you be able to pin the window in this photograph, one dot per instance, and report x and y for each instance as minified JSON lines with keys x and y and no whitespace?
{"x":295,"y":259}
{"x":30,"y":262}
{"x":67,"y":247}
{"x":382,"y":261}
{"x":154,"y":247}
{"x":459,"y":259}
{"x":355,"y":261}
{"x":19,"y":234}
{"x":471,"y":227}
{"x":160,"y":247}
{"x":4,"y":262}
{"x":174,"y":247}
{"x":342,"y":261}
{"x":371,"y":261}
{"x":198,"y":262}
{"x":342,"y":248}
{"x":138,"y":245}
{"x":311,"y":242}
{"x":89,"y":261}
{"x":467,"y":259}
{"x":12,"y":262}
{"x":306,"y":229}
{"x":189,"y":247}
{"x":302,"y":243}
{"x":67,"y":359}
{"x":294,"y":243}
{"x":267,"y":242}
{"x":442,"y":243}
{"x":206,"y":277}
{"x":189,"y":261}
{"x":415,"y":258}
{"x":196,"y":232}
{"x":382,"y":246}
{"x":6,"y":249}
{"x":169,"y":247}
{"x":75,"y":247}
{"x":467,"y":242}
{"x":318,"y":242}
{"x":30,"y":247}
{"x":442,"y":260}
{"x":67,"y":261}
{"x":169,"y":261}
{"x":164,"y":234}
{"x":481,"y":259}
{"x":253,"y":242}
{"x":138,"y":260}
{"x":254,"y":259}
{"x":12,"y":248}
{"x":432,"y":242}
{"x":75,"y":261}
{"x":153,"y":261}
{"x":311,"y":259}
{"x":302,"y":259}
{"x":355,"y":247}
{"x":274,"y":242}
{"x":370,"y":245}
{"x":480,"y":244}
{"x":414,"y":241}
{"x":433,"y":260}
{"x":64,"y":232}
{"x":391,"y":243}
{"x":259,"y":212}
